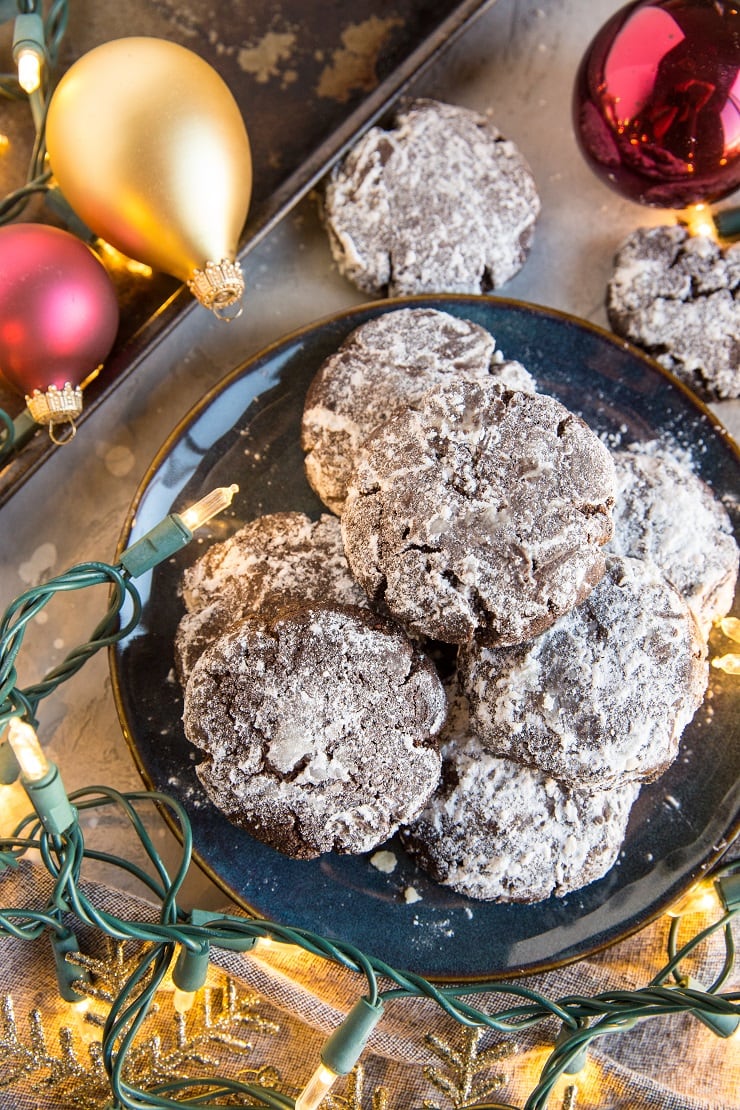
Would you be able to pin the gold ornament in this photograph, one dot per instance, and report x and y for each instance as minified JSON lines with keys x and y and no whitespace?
{"x":149,"y":147}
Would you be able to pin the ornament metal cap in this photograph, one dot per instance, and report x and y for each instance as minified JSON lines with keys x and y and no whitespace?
{"x":55,"y":406}
{"x":218,"y":286}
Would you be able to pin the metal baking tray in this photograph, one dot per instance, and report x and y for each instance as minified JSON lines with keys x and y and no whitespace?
{"x":308,"y":75}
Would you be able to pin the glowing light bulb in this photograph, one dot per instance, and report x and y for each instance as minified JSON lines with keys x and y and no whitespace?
{"x":730,"y":626}
{"x":209,"y":506}
{"x":698,"y":220}
{"x":25,"y":744}
{"x":29,"y":70}
{"x":730,"y":663}
{"x":183,"y":1000}
{"x":317,"y":1088}
{"x":702,"y":898}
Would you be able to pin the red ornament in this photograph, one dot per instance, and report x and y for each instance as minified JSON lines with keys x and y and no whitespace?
{"x":58,"y":317}
{"x":657,"y":102}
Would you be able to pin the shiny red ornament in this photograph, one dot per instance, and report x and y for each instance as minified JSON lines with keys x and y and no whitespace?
{"x":58,"y":310}
{"x":656,"y":104}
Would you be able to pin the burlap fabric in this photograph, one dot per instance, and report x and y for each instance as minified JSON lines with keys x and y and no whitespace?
{"x":281,"y":1004}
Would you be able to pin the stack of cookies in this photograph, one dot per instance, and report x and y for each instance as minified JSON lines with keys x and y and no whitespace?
{"x":489,"y":643}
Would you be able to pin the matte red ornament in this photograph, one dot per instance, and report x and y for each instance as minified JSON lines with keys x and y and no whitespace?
{"x":58,"y":316}
{"x":657,"y":102}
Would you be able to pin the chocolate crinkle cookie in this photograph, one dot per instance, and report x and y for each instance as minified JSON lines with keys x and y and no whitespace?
{"x":666,"y":513}
{"x":677,"y":296}
{"x":602,"y":697}
{"x":382,"y":367}
{"x":275,"y":560}
{"x":482,"y":511}
{"x":317,"y":727}
{"x":440,"y":202}
{"x":498,"y":831}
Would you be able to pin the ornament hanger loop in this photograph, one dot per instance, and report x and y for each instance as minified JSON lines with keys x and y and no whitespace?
{"x":68,"y":430}
{"x":227,"y":312}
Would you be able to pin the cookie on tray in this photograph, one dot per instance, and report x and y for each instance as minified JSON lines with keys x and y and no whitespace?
{"x":480,"y":512}
{"x":603,"y":696}
{"x":677,"y":296}
{"x":383,"y":366}
{"x":498,"y":831}
{"x":276,"y":559}
{"x":317,"y":727}
{"x":666,"y":513}
{"x":440,"y":202}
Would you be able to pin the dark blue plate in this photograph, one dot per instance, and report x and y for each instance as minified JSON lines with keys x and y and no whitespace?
{"x":247,"y":431}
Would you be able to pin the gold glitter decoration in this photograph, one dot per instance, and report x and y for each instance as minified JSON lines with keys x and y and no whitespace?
{"x":216,"y":1031}
{"x":109,"y":973}
{"x":569,"y":1098}
{"x":462,"y":1082}
{"x":354,"y":1097}
{"x":74,"y":1074}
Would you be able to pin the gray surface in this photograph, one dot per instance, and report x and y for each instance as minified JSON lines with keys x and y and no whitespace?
{"x":518,"y":63}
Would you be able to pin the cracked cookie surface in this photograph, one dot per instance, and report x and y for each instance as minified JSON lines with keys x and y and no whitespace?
{"x":317,"y":727}
{"x":603,"y":696}
{"x":439,"y":203}
{"x":666,"y":513}
{"x":498,"y":831}
{"x":677,"y":296}
{"x":480,"y":512}
{"x":277,"y":559}
{"x":382,"y":367}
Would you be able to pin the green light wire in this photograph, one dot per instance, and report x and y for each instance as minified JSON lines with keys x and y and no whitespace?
{"x":37,"y":177}
{"x":614,"y":1010}
{"x":584,"y":1019}
{"x":30,"y":603}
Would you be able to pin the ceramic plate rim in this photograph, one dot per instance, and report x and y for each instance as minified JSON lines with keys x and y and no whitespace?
{"x":263,"y":357}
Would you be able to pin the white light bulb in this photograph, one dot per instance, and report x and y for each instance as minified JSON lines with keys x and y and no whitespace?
{"x":29,"y":753}
{"x":209,"y":506}
{"x":183,"y":1000}
{"x":729,"y":663}
{"x":317,"y":1088}
{"x":699,"y":221}
{"x":29,"y":69}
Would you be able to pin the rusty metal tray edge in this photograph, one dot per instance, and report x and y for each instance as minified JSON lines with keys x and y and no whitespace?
{"x":160,"y":324}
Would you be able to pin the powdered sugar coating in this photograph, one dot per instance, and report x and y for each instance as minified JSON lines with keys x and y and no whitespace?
{"x":481,"y":511}
{"x":439,"y":203}
{"x":678,"y":297}
{"x":498,"y":831}
{"x":666,"y":513}
{"x":602,"y":697}
{"x":382,"y":367}
{"x":317,"y":726}
{"x":274,"y":560}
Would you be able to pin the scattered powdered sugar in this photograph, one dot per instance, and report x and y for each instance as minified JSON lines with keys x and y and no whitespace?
{"x":384,"y":861}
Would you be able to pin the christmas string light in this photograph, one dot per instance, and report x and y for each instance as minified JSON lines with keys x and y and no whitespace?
{"x":187,"y":938}
{"x":36,"y":43}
